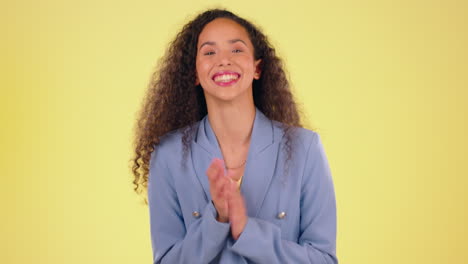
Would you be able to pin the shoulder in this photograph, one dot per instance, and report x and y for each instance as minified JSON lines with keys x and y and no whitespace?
{"x":171,"y":140}
{"x":299,"y":138}
{"x":171,"y":143}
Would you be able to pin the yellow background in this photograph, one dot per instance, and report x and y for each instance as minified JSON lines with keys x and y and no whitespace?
{"x":384,"y":82}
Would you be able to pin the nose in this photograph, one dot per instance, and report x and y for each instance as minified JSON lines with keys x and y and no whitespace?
{"x":224,"y":58}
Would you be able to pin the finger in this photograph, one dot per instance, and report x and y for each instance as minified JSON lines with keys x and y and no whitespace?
{"x":220,"y":189}
{"x":219,"y":180}
{"x":230,"y":174}
{"x":214,"y":168}
{"x":237,"y":212}
{"x":235,"y":200}
{"x":220,"y":200}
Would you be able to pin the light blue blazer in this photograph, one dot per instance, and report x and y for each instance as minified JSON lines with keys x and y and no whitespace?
{"x":290,"y":204}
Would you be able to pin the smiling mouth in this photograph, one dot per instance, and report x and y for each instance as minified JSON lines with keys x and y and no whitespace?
{"x":225,"y":77}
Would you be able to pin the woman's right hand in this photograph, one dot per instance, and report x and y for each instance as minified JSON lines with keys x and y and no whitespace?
{"x":219,"y":187}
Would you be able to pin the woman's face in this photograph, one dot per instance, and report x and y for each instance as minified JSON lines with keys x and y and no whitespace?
{"x":225,"y":61}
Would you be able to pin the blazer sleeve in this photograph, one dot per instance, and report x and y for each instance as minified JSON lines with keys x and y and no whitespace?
{"x":204,"y":239}
{"x":261,"y":241}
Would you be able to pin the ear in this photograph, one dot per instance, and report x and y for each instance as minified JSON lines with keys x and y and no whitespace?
{"x":258,"y":70}
{"x":197,"y":81}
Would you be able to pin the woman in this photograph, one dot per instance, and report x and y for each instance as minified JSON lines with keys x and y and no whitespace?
{"x":231,"y":175}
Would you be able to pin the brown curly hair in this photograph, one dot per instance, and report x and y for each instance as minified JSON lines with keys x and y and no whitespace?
{"x":174,"y":101}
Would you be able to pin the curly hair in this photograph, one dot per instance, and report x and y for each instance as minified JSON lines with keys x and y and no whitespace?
{"x":174,"y":101}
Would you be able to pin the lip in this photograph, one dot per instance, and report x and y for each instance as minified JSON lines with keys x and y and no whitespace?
{"x":224,"y":73}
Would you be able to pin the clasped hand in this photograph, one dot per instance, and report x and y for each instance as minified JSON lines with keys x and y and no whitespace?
{"x":226,"y":197}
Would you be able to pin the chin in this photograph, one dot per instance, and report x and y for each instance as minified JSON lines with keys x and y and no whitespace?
{"x":226,"y":94}
{"x":224,"y":97}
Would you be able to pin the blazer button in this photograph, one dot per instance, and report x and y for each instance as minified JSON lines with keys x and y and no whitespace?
{"x":281,"y":215}
{"x":196,"y":214}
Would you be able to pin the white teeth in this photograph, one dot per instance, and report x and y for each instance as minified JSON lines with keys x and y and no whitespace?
{"x":226,"y":77}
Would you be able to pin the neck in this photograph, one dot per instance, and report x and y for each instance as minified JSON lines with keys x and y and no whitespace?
{"x":232,"y":123}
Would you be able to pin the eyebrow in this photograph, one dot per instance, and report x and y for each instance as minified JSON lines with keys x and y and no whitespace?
{"x":212,"y":43}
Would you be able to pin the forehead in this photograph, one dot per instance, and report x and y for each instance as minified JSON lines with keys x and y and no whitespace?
{"x":223,"y":29}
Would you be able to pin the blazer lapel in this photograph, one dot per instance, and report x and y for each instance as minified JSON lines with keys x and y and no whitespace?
{"x":204,"y":149}
{"x":260,"y":166}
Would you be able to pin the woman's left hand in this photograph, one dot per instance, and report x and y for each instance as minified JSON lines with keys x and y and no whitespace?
{"x":237,"y":211}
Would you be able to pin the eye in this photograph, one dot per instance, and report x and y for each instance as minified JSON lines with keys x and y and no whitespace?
{"x":236,"y":51}
{"x":209,"y":53}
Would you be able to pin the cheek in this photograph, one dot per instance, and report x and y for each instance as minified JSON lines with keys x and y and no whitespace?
{"x":249,"y":67}
{"x":201,"y":68}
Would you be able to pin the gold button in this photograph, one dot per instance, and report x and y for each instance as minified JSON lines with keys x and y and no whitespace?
{"x":281,"y":215}
{"x":196,"y":214}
